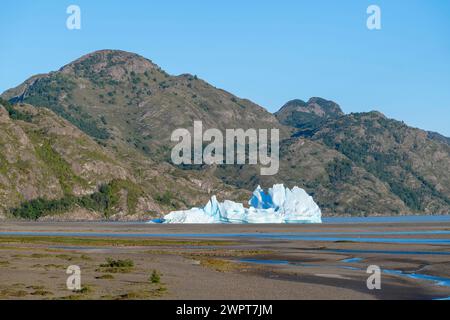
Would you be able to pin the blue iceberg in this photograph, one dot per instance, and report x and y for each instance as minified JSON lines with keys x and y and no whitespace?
{"x":279,"y":205}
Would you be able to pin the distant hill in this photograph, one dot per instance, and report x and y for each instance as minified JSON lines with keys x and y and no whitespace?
{"x":414,"y":167}
{"x":308,"y":115}
{"x":126,"y":108}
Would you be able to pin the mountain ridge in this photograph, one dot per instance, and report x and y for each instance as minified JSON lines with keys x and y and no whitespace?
{"x":129,"y":106}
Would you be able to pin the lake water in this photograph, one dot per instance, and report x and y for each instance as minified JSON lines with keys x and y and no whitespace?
{"x":438,"y":281}
{"x":381,"y":219}
{"x":387,"y":219}
{"x":365,"y":237}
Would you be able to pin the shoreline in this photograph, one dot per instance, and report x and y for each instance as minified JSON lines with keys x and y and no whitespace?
{"x":326,"y":219}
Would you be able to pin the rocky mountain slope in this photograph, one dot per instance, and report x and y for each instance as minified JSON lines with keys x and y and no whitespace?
{"x":123,"y":98}
{"x":413,"y":166}
{"x":49,"y":167}
{"x":127,"y":107}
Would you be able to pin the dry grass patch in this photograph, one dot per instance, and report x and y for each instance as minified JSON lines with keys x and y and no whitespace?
{"x":4,"y":263}
{"x":82,"y":241}
{"x":12,"y":293}
{"x":142,"y":294}
{"x":229,"y":253}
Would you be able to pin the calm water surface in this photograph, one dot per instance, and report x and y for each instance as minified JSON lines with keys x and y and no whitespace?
{"x":388,"y":219}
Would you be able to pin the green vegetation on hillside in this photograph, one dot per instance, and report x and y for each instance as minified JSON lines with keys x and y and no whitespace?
{"x":102,"y":201}
{"x":46,"y":92}
{"x":165,"y":199}
{"x":59,"y":167}
{"x":134,"y":192}
{"x":14,"y":113}
{"x":339,"y":170}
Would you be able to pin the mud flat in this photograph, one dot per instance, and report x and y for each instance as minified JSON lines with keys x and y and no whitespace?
{"x":327,"y":261}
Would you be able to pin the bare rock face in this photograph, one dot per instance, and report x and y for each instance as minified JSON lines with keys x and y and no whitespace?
{"x":100,"y":168}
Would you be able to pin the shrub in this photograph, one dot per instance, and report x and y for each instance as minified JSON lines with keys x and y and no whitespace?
{"x":111,"y":263}
{"x":155,"y":277}
{"x":116,"y":266}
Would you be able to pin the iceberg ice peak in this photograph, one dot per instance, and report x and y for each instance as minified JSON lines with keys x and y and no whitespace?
{"x":279,"y":205}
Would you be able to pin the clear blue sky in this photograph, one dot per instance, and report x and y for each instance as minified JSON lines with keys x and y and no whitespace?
{"x":267,"y":51}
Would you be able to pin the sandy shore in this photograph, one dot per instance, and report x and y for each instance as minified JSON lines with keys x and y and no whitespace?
{"x":229,"y":262}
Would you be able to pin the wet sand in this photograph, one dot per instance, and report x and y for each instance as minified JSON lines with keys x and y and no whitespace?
{"x":221,"y":265}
